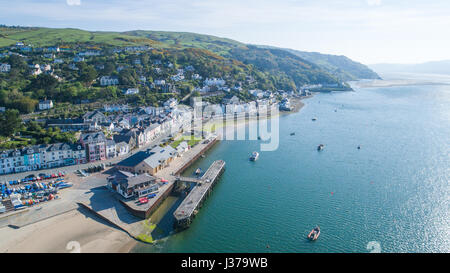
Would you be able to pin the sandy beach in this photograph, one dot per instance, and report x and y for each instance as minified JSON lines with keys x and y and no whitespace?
{"x":54,"y":234}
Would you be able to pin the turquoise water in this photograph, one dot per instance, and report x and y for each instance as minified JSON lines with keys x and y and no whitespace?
{"x":394,"y":191}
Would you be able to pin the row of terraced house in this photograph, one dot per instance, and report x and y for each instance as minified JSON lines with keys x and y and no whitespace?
{"x":92,"y":146}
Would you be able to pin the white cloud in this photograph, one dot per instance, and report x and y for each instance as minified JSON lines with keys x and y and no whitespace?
{"x":374,"y":2}
{"x":73,"y":2}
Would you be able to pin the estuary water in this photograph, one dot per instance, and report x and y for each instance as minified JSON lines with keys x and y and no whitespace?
{"x":392,"y":195}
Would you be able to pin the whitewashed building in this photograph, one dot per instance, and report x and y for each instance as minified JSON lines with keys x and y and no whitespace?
{"x":107,"y":80}
{"x":110,"y":148}
{"x":214,"y":81}
{"x":45,"y":104}
{"x":5,"y":68}
{"x":131,"y":91}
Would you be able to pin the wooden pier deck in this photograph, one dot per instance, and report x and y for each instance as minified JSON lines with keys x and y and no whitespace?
{"x":186,"y":211}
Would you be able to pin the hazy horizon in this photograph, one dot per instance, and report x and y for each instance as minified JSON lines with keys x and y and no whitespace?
{"x":367,"y":31}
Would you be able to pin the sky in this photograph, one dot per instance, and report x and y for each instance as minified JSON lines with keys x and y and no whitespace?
{"x":368,"y":31}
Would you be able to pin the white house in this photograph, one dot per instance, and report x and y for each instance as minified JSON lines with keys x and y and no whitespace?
{"x":107,"y":80}
{"x":214,"y":81}
{"x":182,"y":148}
{"x":159,"y":82}
{"x":5,"y":67}
{"x":122,"y":148}
{"x":45,"y":104}
{"x":177,"y":77}
{"x":35,"y":69}
{"x":132,"y":91}
{"x":110,"y":148}
{"x":155,"y":111}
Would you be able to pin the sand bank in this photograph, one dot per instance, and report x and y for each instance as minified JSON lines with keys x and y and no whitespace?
{"x":54,"y":235}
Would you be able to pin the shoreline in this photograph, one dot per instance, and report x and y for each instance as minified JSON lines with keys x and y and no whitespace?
{"x":94,"y":235}
{"x":62,"y":233}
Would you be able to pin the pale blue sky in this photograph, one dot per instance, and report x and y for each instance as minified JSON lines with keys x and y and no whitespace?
{"x":369,"y":31}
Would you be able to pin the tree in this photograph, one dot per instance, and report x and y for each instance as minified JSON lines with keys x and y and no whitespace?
{"x":127,"y":77}
{"x":43,"y":81}
{"x":10,"y":122}
{"x":108,"y":69}
{"x":88,"y":74}
{"x":17,"y":63}
{"x":25,"y":104}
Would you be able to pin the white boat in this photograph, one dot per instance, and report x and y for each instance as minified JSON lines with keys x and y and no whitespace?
{"x":255,"y":156}
{"x":320,"y":147}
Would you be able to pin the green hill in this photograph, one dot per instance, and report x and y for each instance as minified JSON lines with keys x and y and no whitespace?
{"x":340,"y":67}
{"x":41,"y":37}
{"x":307,"y":67}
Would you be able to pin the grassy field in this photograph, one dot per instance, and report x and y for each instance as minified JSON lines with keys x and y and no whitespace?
{"x":192,"y":141}
{"x":218,"y":45}
{"x":41,"y":37}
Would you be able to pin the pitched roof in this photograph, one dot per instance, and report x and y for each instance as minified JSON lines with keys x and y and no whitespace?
{"x":92,"y":114}
{"x":93,"y":137}
{"x":153,"y":158}
{"x":134,"y":160}
{"x":123,"y":138}
{"x":138,"y":179}
{"x":159,"y":155}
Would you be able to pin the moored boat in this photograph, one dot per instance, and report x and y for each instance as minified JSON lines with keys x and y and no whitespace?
{"x":314,"y":234}
{"x":198,"y":171}
{"x":255,"y":156}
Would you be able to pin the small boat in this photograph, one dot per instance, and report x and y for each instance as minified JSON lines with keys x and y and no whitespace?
{"x":254,"y":156}
{"x":293,"y":134}
{"x":202,"y":156}
{"x":314,"y":119}
{"x":314,"y":234}
{"x":198,"y":171}
{"x":320,"y":147}
{"x":359,"y":147}
{"x":259,"y":138}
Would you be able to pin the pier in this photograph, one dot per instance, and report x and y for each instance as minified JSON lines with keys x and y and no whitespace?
{"x":187,"y":209}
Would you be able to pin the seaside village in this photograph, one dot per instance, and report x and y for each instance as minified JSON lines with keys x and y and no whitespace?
{"x":143,"y":148}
